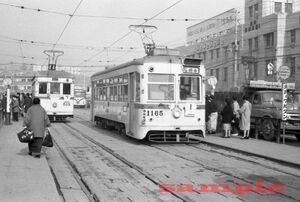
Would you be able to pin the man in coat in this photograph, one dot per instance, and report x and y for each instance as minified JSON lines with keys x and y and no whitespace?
{"x":36,"y":120}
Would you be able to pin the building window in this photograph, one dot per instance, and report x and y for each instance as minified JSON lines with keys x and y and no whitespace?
{"x":212,"y":54}
{"x":293,"y":36}
{"x":211,"y":72}
{"x":256,"y":43}
{"x":218,"y":52}
{"x":256,"y":11}
{"x":204,"y":55}
{"x":225,"y":74}
{"x":226,"y":52}
{"x":278,"y":7}
{"x":269,"y":40}
{"x":250,"y":44}
{"x":217,"y":74}
{"x":288,"y":7}
{"x":293,"y":66}
{"x":250,"y":11}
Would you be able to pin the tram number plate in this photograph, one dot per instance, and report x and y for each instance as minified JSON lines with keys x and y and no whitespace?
{"x":155,"y":113}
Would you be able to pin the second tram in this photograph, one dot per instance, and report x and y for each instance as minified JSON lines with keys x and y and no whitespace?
{"x":79,"y":97}
{"x":159,"y":97}
{"x":56,"y":92}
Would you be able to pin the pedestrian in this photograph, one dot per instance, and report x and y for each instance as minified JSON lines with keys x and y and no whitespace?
{"x":245,"y":121}
{"x":15,"y":108}
{"x":227,"y":117}
{"x":27,"y":102}
{"x":236,"y":116}
{"x":36,"y":119}
{"x":213,"y":116}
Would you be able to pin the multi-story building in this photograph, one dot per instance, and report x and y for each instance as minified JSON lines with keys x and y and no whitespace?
{"x":270,"y":36}
{"x":217,"y":41}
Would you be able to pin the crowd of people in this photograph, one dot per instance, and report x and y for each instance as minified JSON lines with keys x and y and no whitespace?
{"x":235,"y":119}
{"x":35,"y":117}
{"x":18,"y":105}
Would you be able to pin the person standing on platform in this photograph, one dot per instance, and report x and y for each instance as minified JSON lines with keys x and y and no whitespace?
{"x":15,"y":108}
{"x":36,"y":119}
{"x":245,"y":121}
{"x":227,"y":117}
{"x":213,"y":116}
{"x":236,"y":117}
{"x":27,"y":102}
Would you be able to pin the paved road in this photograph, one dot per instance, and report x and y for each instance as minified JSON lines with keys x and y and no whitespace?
{"x":116,"y":168}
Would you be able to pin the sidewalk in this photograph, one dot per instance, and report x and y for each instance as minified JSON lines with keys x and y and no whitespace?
{"x":22,"y":177}
{"x":270,"y":150}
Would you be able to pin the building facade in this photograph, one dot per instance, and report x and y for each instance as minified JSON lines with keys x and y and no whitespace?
{"x":237,"y":53}
{"x":20,"y":82}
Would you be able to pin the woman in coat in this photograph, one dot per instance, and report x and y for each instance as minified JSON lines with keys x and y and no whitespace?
{"x":15,"y":108}
{"x":245,"y":120}
{"x":36,"y":120}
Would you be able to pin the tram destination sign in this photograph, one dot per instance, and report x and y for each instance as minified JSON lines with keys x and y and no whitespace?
{"x":284,"y":72}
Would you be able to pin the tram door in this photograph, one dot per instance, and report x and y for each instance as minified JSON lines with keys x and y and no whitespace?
{"x":131,"y":102}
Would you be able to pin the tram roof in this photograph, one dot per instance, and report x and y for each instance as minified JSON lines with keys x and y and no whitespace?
{"x":53,"y":73}
{"x":141,"y":61}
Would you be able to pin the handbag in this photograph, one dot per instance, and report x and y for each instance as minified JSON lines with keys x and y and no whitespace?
{"x":47,"y":142}
{"x":25,"y":135}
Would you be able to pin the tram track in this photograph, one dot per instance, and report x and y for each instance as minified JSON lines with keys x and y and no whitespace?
{"x":214,"y":169}
{"x":92,"y":143}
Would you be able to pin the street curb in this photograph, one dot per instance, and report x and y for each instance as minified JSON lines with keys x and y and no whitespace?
{"x":288,"y":163}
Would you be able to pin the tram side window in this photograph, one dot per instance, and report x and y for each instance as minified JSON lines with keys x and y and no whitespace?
{"x":189,"y":88}
{"x":66,"y":89}
{"x":54,"y":88}
{"x":137,"y":89}
{"x":42,"y":88}
{"x":124,"y":90}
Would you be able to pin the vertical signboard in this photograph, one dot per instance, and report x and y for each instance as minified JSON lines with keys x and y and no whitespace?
{"x":284,"y":101}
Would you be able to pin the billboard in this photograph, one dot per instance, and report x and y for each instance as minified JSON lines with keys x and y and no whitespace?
{"x":212,"y":28}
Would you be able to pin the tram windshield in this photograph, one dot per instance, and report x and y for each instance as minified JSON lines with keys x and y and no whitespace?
{"x":54,"y":88}
{"x":66,"y":89}
{"x":79,"y":93}
{"x":189,"y":88}
{"x":161,"y":87}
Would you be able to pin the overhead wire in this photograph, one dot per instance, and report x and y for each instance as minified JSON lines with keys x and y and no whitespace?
{"x":128,"y":33}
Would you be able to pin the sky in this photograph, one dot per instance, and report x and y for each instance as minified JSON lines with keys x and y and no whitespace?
{"x":97,"y":35}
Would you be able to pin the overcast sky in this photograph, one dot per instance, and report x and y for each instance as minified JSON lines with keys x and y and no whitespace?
{"x":86,"y":36}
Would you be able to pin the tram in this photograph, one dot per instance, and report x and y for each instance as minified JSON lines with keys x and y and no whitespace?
{"x":79,"y":97}
{"x":160,"y":98}
{"x":56,"y":92}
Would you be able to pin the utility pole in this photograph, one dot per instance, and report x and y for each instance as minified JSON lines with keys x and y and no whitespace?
{"x":235,"y":73}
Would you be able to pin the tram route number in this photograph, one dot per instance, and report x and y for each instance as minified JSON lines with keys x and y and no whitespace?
{"x":155,"y":113}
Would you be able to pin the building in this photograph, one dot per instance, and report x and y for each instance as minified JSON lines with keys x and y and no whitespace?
{"x":237,"y":53}
{"x":271,"y":37}
{"x":217,"y":41}
{"x":20,"y":82}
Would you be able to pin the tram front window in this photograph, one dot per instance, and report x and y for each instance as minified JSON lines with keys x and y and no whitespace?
{"x":189,"y":88}
{"x":161,"y":87}
{"x":66,"y":89}
{"x":42,"y":88}
{"x":54,"y":88}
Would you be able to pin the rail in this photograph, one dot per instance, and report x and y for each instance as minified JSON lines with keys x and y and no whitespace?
{"x":278,"y":123}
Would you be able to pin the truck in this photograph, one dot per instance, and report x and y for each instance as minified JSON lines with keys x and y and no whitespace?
{"x":266,"y":115}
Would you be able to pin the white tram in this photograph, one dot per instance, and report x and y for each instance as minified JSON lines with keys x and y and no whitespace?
{"x":56,"y":92}
{"x":158,"y":97}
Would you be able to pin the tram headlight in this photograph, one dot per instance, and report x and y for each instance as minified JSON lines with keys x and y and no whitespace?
{"x":176,"y":113}
{"x":54,"y":104}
